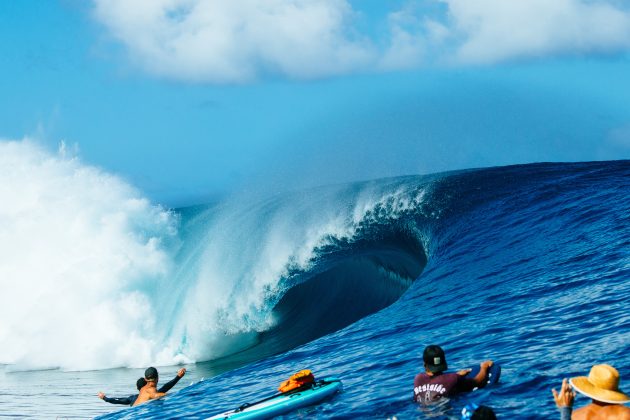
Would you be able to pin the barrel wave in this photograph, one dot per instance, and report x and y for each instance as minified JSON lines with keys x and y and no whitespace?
{"x":98,"y":272}
{"x":527,"y":265}
{"x":261,"y":278}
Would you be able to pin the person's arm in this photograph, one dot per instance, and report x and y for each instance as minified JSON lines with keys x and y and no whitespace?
{"x":170,"y":384}
{"x":480,"y":379}
{"x":564,"y":400}
{"x":123,"y":401}
{"x":465,"y":384}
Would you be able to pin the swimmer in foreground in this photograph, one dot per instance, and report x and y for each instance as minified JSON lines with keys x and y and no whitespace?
{"x":602,"y":386}
{"x":434,"y":384}
{"x":140,"y":383}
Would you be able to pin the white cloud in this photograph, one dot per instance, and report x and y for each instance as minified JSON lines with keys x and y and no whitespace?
{"x":489,"y":31}
{"x":236,"y":41}
{"x":409,"y":37}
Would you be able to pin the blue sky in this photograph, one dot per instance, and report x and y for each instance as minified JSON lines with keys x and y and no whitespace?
{"x":188,"y":99}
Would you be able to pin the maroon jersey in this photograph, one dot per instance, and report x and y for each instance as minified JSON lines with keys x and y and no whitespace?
{"x":431,"y":388}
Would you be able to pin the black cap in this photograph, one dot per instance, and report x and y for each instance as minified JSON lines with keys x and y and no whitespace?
{"x":140,"y":383}
{"x":434,"y":359}
{"x":151,"y":374}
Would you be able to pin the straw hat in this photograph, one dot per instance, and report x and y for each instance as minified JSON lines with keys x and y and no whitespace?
{"x":602,"y":384}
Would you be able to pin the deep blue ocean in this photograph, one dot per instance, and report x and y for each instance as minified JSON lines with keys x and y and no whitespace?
{"x":526,"y":265}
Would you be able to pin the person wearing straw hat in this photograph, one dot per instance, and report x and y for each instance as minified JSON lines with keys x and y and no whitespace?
{"x":602,"y":386}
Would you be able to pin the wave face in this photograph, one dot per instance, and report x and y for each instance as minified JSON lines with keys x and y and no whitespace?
{"x":258,"y":278}
{"x":527,"y":265}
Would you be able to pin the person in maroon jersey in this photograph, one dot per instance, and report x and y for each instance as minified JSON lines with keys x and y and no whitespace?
{"x":434,"y":383}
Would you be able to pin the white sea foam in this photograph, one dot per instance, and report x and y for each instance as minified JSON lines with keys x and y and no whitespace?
{"x":79,"y":248}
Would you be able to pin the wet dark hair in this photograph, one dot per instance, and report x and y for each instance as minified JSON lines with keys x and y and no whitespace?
{"x":140,"y":383}
{"x":483,"y":413}
{"x":151,"y":374}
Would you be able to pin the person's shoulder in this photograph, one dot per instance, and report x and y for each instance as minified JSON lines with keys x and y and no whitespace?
{"x":421,"y":377}
{"x":594,"y":412}
{"x":581,"y":413}
{"x":448,"y":376}
{"x":617,"y":412}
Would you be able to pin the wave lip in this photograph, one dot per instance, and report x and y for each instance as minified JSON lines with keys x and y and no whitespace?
{"x":255,"y":265}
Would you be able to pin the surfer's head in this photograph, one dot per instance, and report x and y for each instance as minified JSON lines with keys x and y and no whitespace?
{"x":140,"y":383}
{"x":434,"y":359}
{"x":151,"y":374}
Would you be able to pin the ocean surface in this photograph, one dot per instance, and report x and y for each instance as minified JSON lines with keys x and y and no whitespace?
{"x":526,"y":265}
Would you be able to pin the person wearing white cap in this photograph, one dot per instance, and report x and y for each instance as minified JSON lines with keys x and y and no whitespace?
{"x":602,"y":386}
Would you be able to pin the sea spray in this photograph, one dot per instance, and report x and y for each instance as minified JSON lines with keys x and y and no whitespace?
{"x":244,"y":254}
{"x":99,"y":277}
{"x":80,"y":254}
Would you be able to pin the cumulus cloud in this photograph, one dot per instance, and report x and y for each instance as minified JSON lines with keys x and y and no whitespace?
{"x":242,"y":40}
{"x":237,"y":40}
{"x":488,"y":31}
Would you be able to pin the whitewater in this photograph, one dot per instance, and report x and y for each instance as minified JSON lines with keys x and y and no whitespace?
{"x":527,"y":265}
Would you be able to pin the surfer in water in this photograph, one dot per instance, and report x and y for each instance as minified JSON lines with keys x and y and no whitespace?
{"x":602,"y":386}
{"x":141,"y":383}
{"x":150,"y":390}
{"x":433,"y":383}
